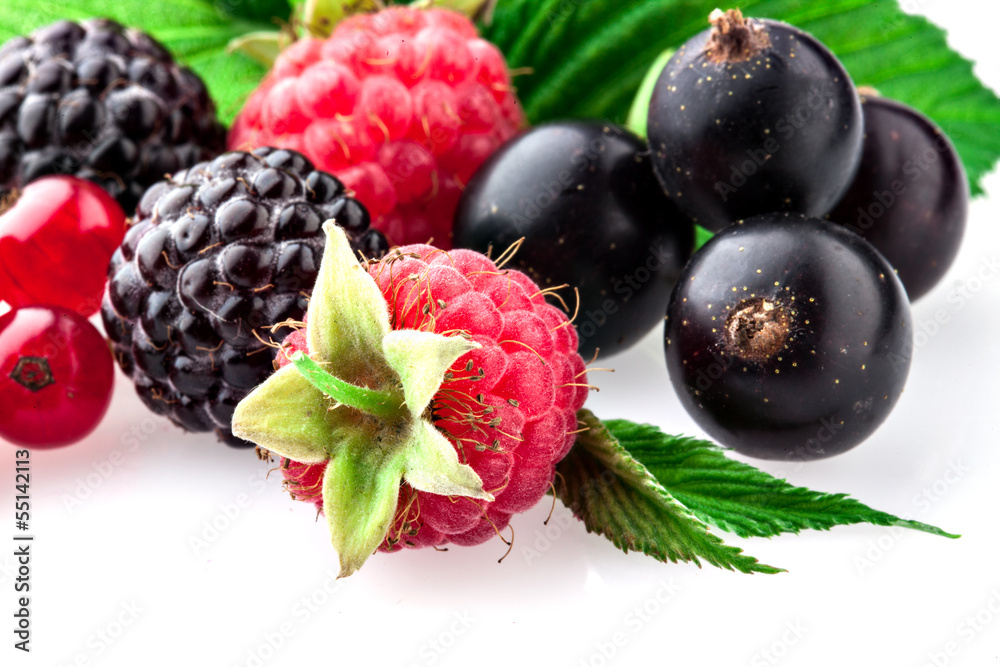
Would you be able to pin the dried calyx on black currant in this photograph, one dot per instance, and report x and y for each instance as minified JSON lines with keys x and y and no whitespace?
{"x":751,"y":117}
{"x":788,"y":338}
{"x":910,"y":195}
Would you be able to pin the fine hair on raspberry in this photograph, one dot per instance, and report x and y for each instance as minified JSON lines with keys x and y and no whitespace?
{"x":508,"y":407}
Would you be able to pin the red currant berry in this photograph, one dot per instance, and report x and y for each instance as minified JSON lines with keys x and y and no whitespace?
{"x":56,"y":240}
{"x":56,"y":376}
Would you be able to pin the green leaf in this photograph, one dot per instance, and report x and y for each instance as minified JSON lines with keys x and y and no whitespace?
{"x":588,"y":58}
{"x":638,"y":113}
{"x":614,"y":495}
{"x":476,"y":9}
{"x":195,"y":31}
{"x":257,"y":10}
{"x":738,"y":497}
{"x":701,"y":236}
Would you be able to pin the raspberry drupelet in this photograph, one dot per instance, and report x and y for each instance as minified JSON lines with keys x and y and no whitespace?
{"x":402,"y":106}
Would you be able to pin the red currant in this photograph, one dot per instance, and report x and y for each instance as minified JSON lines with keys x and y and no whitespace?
{"x":56,"y":376}
{"x":56,"y":240}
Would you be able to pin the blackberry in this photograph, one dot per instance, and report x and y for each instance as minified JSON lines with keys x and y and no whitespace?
{"x":218,"y":254}
{"x":102,"y":102}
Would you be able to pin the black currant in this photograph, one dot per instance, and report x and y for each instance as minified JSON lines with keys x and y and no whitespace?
{"x":910,"y":196}
{"x":584,"y":198}
{"x":750,"y":117}
{"x":788,"y":337}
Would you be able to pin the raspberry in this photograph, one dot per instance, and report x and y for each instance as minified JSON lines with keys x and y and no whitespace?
{"x":508,"y":407}
{"x":216,"y":256}
{"x":104,"y":103}
{"x":402,"y":105}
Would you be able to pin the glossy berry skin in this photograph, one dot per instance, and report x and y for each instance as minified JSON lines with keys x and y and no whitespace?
{"x":56,"y":377}
{"x":910,"y":196}
{"x":55,"y":243}
{"x":788,"y":338}
{"x":774,"y":127}
{"x":584,"y":198}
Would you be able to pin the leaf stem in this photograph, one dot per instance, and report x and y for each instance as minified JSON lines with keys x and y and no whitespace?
{"x":376,"y":403}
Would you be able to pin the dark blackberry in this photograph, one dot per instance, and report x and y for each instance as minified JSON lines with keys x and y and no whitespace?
{"x":101,"y":102}
{"x":218,"y":254}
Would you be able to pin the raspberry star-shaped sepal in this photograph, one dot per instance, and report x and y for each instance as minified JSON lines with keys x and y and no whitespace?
{"x":360,"y":399}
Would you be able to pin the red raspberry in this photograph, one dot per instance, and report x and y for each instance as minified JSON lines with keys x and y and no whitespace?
{"x":402,"y":105}
{"x":509,"y":407}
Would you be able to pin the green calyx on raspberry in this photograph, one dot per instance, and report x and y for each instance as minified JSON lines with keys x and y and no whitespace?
{"x":360,"y":400}
{"x":318,"y":18}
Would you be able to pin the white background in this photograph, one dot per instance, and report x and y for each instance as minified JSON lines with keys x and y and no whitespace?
{"x":118,"y":579}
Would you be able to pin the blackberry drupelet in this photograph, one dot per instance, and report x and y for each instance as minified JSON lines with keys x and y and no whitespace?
{"x":102,"y":102}
{"x":218,"y":254}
